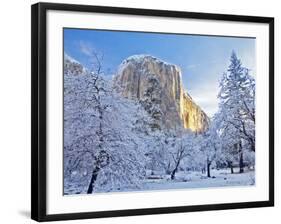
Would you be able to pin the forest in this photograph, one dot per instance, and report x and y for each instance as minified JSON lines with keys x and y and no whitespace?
{"x":113,"y":143}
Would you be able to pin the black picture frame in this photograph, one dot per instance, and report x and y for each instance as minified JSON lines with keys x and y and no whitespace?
{"x":39,"y":108}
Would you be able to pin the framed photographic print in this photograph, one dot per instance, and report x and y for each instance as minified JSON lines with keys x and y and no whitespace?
{"x":139,"y":111}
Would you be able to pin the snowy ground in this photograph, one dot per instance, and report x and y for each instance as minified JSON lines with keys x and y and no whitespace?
{"x":220,"y":178}
{"x":185,"y":180}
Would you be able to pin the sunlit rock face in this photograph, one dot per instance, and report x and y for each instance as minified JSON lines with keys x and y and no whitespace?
{"x":178,"y":109}
{"x":193,"y":117}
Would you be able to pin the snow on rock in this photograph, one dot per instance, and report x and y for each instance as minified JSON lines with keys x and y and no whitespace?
{"x":135,"y":77}
{"x":72,"y":67}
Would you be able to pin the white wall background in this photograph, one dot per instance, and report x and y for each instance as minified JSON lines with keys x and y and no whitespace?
{"x":15,"y":110}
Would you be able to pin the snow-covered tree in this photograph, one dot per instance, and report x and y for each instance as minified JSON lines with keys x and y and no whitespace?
{"x":182,"y":147}
{"x":100,"y":146}
{"x":126,"y":164}
{"x":237,"y":109}
{"x":151,"y":101}
{"x":209,"y":145}
{"x":83,"y":102}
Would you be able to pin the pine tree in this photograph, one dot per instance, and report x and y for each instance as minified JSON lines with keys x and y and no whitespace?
{"x":152,"y":100}
{"x":237,"y":109}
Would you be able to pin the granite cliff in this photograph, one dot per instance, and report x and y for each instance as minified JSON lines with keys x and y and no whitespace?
{"x":72,"y":67}
{"x":148,"y":79}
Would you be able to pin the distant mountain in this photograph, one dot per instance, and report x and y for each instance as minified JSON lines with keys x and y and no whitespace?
{"x":72,"y":67}
{"x":158,"y":85}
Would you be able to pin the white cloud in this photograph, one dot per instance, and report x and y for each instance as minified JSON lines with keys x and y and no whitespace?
{"x":94,"y":58}
{"x":205,"y":96}
{"x":86,"y":48}
{"x":207,"y":64}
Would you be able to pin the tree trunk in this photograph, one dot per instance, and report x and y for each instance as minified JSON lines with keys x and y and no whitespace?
{"x":208,"y":169}
{"x":241,"y":163}
{"x":175,"y":170}
{"x":173,"y":174}
{"x":96,"y":169}
{"x":241,"y":160}
{"x":168,"y":170}
{"x":230,"y":166}
{"x":253,"y":145}
{"x":203,"y":170}
{"x":93,"y":179}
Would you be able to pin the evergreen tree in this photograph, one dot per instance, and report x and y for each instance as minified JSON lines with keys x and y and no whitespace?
{"x":237,"y":109}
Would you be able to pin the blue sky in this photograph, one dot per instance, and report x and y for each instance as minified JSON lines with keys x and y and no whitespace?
{"x":202,"y":59}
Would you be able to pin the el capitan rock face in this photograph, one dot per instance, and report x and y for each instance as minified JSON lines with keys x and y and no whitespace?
{"x":193,"y":116}
{"x":159,"y":84}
